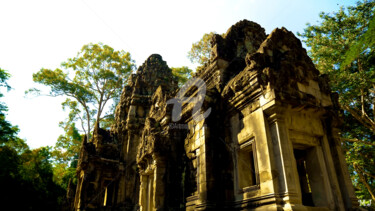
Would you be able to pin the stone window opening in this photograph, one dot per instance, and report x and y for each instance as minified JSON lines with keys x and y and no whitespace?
{"x":304,"y":180}
{"x":247,"y":167}
{"x":312,"y":176}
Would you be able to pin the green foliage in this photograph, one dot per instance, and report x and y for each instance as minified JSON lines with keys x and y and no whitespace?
{"x":4,"y":76}
{"x":25,"y":175}
{"x":27,"y":178}
{"x":67,"y":145}
{"x":183,"y":74}
{"x":342,"y":46}
{"x":65,"y":155}
{"x":18,"y":144}
{"x":109,"y":119}
{"x":7,"y":130}
{"x":90,"y":82}
{"x":364,"y":43}
{"x":9,"y":161}
{"x":201,"y":50}
{"x":98,"y":74}
{"x":63,"y":173}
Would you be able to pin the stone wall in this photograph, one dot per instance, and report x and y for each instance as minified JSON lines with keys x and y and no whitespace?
{"x":269,"y":141}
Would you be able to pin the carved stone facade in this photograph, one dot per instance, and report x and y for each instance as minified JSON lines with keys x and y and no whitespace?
{"x":270,"y":141}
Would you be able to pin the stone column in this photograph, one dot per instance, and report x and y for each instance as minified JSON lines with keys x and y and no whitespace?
{"x":337,"y":193}
{"x":287,"y":186}
{"x":346,"y":186}
{"x":121,"y":185}
{"x":77,"y":200}
{"x":131,"y":176}
{"x":159,"y":186}
{"x":143,"y":192}
{"x":318,"y":178}
{"x":202,"y":169}
{"x":201,"y":175}
{"x":80,"y":199}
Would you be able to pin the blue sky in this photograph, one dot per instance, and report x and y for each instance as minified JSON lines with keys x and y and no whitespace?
{"x":36,"y":34}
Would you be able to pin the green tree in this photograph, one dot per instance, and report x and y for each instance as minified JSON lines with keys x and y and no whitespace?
{"x":25,"y":175}
{"x":200,"y":51}
{"x":90,"y":81}
{"x":26,"y":180}
{"x":65,"y":155}
{"x":7,"y":130}
{"x":41,"y":192}
{"x":183,"y":74}
{"x":339,"y":47}
{"x":364,"y":42}
{"x":68,"y":145}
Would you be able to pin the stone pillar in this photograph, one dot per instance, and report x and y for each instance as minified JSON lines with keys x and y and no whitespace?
{"x":346,"y":186}
{"x":287,"y":186}
{"x":159,"y":186}
{"x":147,"y":197}
{"x":131,"y":177}
{"x":80,"y":200}
{"x":318,"y":177}
{"x":202,"y":176}
{"x":335,"y":186}
{"x":143,"y":192}
{"x":77,"y":200}
{"x":121,"y":185}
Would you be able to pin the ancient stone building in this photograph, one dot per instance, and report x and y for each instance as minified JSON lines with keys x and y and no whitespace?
{"x":255,"y":129}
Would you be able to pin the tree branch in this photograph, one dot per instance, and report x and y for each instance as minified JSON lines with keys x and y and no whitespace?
{"x":368,"y":174}
{"x":364,"y":119}
{"x":363,"y":103}
{"x":357,"y":140}
{"x":82,"y":124}
{"x":362,"y":178}
{"x":105,"y":116}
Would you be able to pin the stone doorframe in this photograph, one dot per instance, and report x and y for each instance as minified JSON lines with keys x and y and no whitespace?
{"x":152,"y":187}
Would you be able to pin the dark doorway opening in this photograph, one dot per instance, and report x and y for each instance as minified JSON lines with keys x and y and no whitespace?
{"x":300,"y":156}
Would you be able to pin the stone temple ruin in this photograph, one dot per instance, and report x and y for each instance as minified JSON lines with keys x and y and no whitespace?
{"x":269,"y":142}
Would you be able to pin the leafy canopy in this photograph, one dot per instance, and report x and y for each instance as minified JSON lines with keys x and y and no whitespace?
{"x":342,"y":46}
{"x":23,"y":169}
{"x":200,"y":51}
{"x":8,"y":132}
{"x":90,"y":81}
{"x":183,"y":74}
